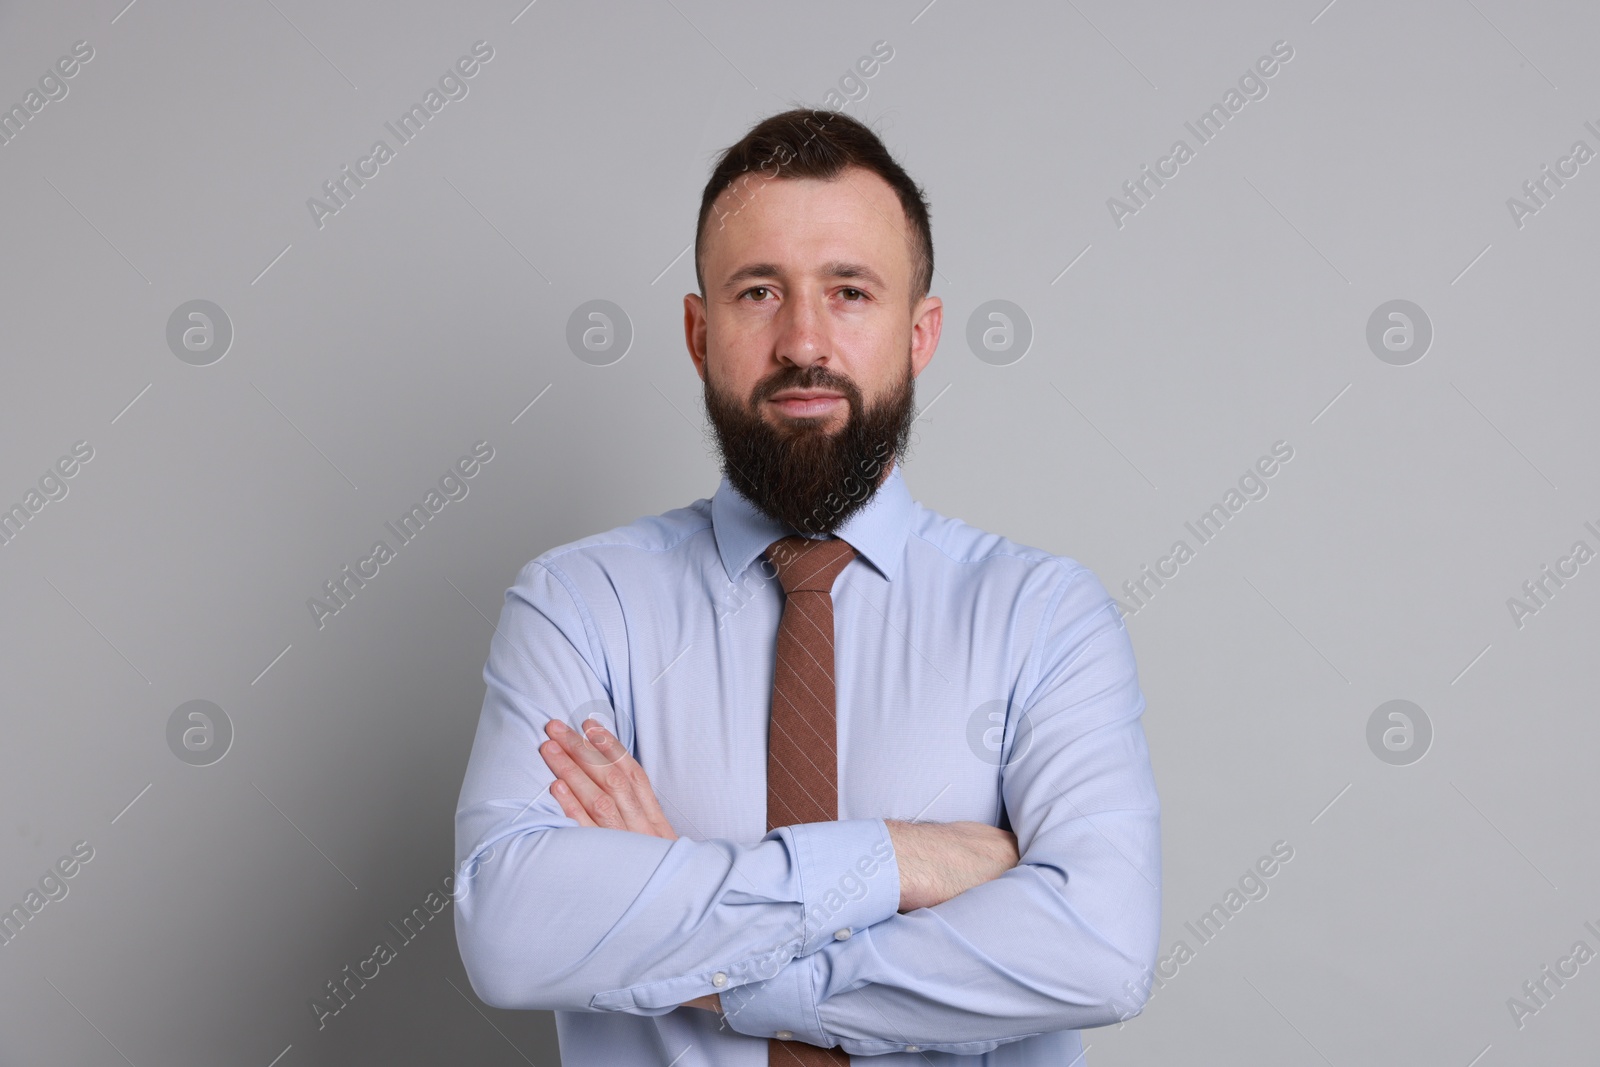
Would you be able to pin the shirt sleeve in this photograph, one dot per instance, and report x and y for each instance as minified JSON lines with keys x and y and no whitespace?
{"x":1064,"y":940}
{"x":553,"y":915}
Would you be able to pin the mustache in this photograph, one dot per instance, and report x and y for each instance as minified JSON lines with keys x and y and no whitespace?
{"x":815,"y":376}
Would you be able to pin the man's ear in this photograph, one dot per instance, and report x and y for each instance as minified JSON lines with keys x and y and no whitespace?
{"x":694,"y":331}
{"x":926,"y":325}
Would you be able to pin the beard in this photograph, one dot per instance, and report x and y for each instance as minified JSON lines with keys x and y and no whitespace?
{"x":798,"y":473}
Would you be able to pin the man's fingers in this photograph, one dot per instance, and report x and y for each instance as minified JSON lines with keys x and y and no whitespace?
{"x":628,"y":784}
{"x":614,"y":770}
{"x":604,"y":778}
{"x":591,"y":796}
{"x":569,"y":803}
{"x":644,"y":814}
{"x":571,"y":806}
{"x":589,"y":760}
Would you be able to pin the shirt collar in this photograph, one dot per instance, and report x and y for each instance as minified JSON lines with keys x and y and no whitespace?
{"x":877,"y":531}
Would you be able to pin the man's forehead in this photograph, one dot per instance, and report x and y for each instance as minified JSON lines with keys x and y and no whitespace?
{"x":844,"y":221}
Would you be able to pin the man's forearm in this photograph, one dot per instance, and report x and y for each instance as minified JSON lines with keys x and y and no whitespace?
{"x":570,"y":918}
{"x":938,"y":861}
{"x":1005,"y":960}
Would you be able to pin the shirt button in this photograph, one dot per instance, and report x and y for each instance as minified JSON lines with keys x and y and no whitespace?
{"x":719,"y":979}
{"x":842,"y":935}
{"x":913,"y":1048}
{"x":783,"y":1035}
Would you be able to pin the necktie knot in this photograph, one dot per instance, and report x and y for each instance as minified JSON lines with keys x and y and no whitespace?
{"x":805,"y":564}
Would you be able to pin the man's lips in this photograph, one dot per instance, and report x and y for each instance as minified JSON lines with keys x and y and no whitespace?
{"x":804,"y":402}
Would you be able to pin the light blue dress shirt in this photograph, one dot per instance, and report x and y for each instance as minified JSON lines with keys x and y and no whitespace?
{"x":977,"y":679}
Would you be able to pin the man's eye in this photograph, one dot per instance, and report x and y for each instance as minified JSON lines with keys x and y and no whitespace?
{"x":847,"y":291}
{"x":757,"y":289}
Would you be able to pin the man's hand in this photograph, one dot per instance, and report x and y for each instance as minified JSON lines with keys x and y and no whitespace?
{"x":940,"y":860}
{"x":599,"y":784}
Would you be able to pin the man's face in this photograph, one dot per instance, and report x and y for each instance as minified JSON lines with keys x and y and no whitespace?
{"x":807,"y":338}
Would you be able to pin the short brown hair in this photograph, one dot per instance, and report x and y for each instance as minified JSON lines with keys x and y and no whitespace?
{"x":811,"y":143}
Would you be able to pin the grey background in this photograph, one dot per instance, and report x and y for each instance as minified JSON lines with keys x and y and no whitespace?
{"x":1227,"y":314}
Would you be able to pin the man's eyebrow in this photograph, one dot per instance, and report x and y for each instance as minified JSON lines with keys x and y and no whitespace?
{"x":751,"y":272}
{"x":839,"y":269}
{"x":835,"y":269}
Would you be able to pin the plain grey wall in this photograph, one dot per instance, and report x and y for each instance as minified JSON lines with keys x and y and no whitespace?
{"x":1174,"y":342}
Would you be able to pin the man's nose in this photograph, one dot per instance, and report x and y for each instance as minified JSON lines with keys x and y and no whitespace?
{"x":803,"y":334}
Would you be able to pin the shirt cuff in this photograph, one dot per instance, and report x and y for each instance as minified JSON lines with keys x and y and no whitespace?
{"x":784,"y":1006}
{"x":849,"y":877}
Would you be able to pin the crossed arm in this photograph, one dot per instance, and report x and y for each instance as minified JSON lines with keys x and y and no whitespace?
{"x":599,"y":784}
{"x":553,"y":914}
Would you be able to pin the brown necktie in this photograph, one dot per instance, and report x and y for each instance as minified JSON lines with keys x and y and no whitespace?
{"x":802,"y":757}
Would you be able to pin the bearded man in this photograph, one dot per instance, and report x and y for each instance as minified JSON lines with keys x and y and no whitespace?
{"x":805,"y":770}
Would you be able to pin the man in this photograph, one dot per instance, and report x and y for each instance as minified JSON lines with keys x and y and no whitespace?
{"x":863,"y":779}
